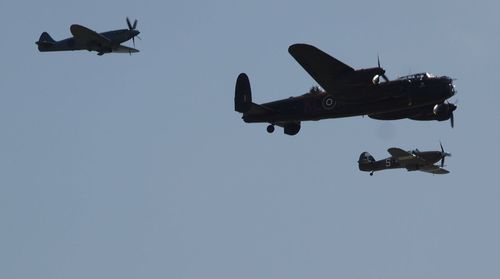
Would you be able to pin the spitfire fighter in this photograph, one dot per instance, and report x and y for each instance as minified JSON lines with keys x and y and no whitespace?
{"x":414,"y":160}
{"x":86,"y":39}
{"x":348,"y":92}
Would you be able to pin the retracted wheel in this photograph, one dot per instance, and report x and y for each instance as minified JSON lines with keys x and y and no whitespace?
{"x":270,"y":129}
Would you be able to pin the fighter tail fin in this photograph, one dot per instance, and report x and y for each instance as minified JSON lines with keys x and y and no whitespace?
{"x":243,"y":94}
{"x":365,"y":160}
{"x":45,"y":42}
{"x":46,"y":38}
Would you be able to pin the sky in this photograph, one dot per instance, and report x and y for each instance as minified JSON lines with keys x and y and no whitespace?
{"x":138,"y":167}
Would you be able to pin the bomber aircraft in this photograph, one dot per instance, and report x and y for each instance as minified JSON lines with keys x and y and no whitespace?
{"x":411,"y":160}
{"x":348,"y":92}
{"x":86,"y":39}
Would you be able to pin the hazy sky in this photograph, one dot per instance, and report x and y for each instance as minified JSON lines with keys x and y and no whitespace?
{"x":137,"y":166}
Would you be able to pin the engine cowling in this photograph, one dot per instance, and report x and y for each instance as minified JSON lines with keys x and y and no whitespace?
{"x":443,"y":111}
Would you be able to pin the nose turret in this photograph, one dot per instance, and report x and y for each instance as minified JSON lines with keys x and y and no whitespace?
{"x":449,"y":84}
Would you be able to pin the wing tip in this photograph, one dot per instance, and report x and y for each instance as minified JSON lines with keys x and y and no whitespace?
{"x":298,"y":46}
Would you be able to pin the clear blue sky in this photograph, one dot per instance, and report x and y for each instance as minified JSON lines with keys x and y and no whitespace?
{"x":137,"y":166}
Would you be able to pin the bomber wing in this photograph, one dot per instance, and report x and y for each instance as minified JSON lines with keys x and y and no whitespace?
{"x":89,"y":37}
{"x":320,"y":66}
{"x":433,"y":169}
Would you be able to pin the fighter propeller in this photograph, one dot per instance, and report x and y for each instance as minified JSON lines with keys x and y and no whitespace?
{"x":443,"y":154}
{"x":133,"y":27}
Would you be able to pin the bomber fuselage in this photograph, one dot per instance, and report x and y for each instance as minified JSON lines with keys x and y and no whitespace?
{"x":401,"y":94}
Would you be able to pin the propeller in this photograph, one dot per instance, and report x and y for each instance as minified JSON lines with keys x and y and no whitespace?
{"x":444,"y":111}
{"x":452,"y":107}
{"x":383,"y":74}
{"x":443,"y":154}
{"x":132,"y":27}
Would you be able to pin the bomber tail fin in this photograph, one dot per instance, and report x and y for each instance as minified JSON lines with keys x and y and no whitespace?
{"x":243,"y":94}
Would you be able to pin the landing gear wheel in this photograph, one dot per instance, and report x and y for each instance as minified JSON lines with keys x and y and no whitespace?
{"x":371,"y":173}
{"x":270,"y":129}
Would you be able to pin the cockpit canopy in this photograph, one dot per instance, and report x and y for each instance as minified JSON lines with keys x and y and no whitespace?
{"x":315,"y":90}
{"x":419,"y":76}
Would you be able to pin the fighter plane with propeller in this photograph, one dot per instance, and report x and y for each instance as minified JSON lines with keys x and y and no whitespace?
{"x":414,"y":160}
{"x":348,"y":92}
{"x":86,"y":39}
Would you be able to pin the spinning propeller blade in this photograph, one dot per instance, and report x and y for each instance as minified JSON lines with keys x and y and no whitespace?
{"x":132,"y":27}
{"x":128,"y":24}
{"x":452,"y":107}
{"x":383,"y":75}
{"x":443,"y":154}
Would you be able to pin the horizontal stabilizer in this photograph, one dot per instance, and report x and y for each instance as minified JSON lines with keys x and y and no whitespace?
{"x":256,"y":109}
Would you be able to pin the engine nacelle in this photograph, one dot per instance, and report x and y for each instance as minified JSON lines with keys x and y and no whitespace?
{"x":443,"y":111}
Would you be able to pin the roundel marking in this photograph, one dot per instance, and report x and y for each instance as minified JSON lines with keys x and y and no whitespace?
{"x":329,"y":102}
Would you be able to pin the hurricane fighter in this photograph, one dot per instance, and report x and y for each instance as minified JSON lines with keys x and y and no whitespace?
{"x":414,"y":160}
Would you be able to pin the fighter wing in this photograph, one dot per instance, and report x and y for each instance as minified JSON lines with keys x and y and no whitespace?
{"x":404,"y":157}
{"x":433,"y":169}
{"x":399,"y":153}
{"x":88,"y":37}
{"x":125,"y":49}
{"x":320,"y":66}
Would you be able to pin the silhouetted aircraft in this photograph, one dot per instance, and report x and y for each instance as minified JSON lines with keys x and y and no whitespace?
{"x":348,"y":92}
{"x":86,"y":39}
{"x":411,"y":160}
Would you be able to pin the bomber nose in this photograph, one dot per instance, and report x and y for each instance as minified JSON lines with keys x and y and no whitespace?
{"x":452,"y":89}
{"x":450,"y":85}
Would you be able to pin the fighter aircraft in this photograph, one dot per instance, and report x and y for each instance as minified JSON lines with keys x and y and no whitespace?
{"x":411,"y":160}
{"x":348,"y":92}
{"x":86,"y":39}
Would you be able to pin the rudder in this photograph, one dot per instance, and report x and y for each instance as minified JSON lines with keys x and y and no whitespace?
{"x":243,"y":94}
{"x":46,"y":38}
{"x":45,"y":42}
{"x":365,"y":161}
